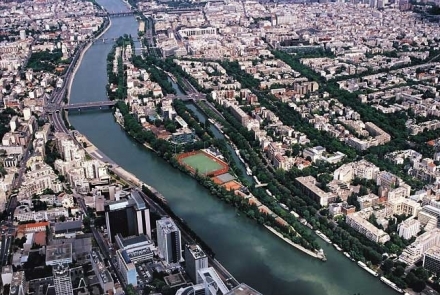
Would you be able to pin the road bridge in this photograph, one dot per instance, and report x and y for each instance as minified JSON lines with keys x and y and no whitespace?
{"x":89,"y":105}
{"x":114,"y":14}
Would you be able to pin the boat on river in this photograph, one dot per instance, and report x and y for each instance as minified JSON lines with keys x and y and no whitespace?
{"x":248,"y":171}
{"x":322,"y":236}
{"x":349,"y":257}
{"x":391,"y":284}
{"x":337,"y":247}
{"x":365,"y":267}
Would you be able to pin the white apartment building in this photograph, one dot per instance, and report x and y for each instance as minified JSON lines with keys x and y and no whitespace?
{"x":402,"y":191}
{"x":415,"y":251}
{"x":409,"y":228}
{"x":197,"y":32}
{"x":427,"y":220}
{"x":405,"y":206}
{"x":367,"y":229}
{"x":18,"y":283}
{"x":308,"y":186}
{"x":367,"y":201}
{"x":40,"y":177}
{"x":433,"y":209}
{"x":361,"y":169}
{"x":169,"y":242}
{"x":68,"y":149}
{"x":62,"y":280}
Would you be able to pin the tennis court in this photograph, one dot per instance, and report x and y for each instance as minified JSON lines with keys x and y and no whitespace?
{"x":202,"y":163}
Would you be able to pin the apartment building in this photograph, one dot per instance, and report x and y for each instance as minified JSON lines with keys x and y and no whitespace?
{"x":310,"y":188}
{"x":367,"y":229}
{"x":408,"y":228}
{"x":423,"y":243}
{"x":405,"y":206}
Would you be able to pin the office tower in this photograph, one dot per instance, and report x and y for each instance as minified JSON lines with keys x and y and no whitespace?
{"x":128,"y":217}
{"x":126,"y":267}
{"x":195,"y":260}
{"x":62,"y":280}
{"x":431,"y":259}
{"x":169,"y":240}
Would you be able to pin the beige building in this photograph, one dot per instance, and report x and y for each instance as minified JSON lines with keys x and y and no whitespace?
{"x":367,"y":229}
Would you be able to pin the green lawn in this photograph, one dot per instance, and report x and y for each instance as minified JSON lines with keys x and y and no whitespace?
{"x":202,"y":163}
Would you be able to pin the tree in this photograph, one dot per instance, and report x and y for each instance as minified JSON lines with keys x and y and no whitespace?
{"x":399,"y":271}
{"x":421,"y":273}
{"x":131,"y":290}
{"x":387,"y":265}
{"x":419,"y":286}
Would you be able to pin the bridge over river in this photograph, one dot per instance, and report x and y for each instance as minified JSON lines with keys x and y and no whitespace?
{"x":89,"y":105}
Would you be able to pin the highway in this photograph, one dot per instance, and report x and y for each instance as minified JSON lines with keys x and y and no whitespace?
{"x":54,"y":107}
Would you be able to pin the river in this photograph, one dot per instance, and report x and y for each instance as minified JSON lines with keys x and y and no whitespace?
{"x":249,"y":251}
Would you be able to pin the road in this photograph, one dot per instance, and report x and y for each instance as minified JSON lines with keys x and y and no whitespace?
{"x":54,"y":107}
{"x":19,"y":179}
{"x":7,"y":232}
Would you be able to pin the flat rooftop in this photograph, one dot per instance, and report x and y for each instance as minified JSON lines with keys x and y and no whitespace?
{"x":243,"y":289}
{"x":196,"y":251}
{"x":167,"y":225}
{"x":226,"y":177}
{"x":58,"y":254}
{"x":133,"y":240}
{"x":140,"y":203}
{"x":68,"y":226}
{"x":174,"y":280}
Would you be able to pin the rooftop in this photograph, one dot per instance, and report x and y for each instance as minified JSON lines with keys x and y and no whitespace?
{"x":133,"y":240}
{"x":140,"y":203}
{"x":167,"y":225}
{"x":68,"y":226}
{"x":56,"y":254}
{"x":243,"y":289}
{"x":174,"y":280}
{"x":225,"y":177}
{"x":196,"y":251}
{"x":433,"y":252}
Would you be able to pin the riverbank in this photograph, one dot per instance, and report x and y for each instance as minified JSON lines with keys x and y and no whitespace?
{"x":95,"y":153}
{"x":81,"y":56}
{"x":318,"y":255}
